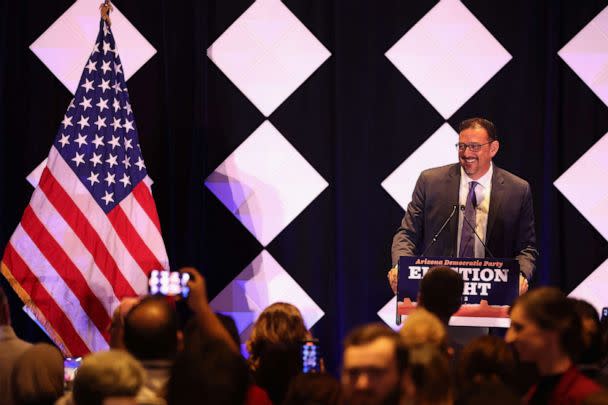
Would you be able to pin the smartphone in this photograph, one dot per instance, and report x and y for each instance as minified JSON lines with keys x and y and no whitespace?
{"x":311,"y":356}
{"x":70,"y":367}
{"x":168,"y":283}
{"x":604,"y":317}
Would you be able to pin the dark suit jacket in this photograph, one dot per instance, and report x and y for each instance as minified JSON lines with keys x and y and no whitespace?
{"x":510,"y":230}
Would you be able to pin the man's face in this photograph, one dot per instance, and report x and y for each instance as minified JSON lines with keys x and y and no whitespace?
{"x":530,"y":341}
{"x":370,"y":374}
{"x":476,"y":164}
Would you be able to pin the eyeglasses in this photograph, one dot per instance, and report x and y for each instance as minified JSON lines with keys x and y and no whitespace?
{"x":473,"y":147}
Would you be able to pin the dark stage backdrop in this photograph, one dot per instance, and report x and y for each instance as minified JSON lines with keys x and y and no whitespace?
{"x":355,"y":120}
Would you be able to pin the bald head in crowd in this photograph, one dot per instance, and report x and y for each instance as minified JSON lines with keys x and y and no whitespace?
{"x":150,"y":330}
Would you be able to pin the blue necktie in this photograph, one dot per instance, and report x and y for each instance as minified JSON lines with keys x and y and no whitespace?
{"x":467,"y":238}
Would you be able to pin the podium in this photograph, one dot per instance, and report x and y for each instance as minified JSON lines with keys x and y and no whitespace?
{"x":490,"y":287}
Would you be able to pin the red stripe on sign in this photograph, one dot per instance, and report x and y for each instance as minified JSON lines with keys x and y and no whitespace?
{"x":67,"y":270}
{"x":132,"y":240}
{"x":45,"y":303}
{"x":143,"y":195}
{"x":86,"y":233}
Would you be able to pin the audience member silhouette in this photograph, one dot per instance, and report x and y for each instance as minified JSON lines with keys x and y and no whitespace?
{"x":275,"y":348}
{"x":374,"y":362}
{"x":37,"y":376}
{"x":104,"y":377}
{"x":427,"y":379}
{"x":545,"y":329}
{"x":11,"y":347}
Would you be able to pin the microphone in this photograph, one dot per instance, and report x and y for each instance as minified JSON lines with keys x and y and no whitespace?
{"x":462,"y":208}
{"x":454,"y":207}
{"x":445,"y":223}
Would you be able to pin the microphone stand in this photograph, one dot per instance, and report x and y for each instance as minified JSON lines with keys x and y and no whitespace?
{"x":454,"y":208}
{"x":440,"y":230}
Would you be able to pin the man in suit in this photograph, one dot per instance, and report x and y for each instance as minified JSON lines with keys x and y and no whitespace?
{"x":495,"y":202}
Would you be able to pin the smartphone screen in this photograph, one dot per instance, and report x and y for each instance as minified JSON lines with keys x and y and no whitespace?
{"x":311,"y":356}
{"x":169,"y":283}
{"x":70,"y":367}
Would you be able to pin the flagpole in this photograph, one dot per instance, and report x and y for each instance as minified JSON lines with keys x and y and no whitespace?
{"x":105,"y":10}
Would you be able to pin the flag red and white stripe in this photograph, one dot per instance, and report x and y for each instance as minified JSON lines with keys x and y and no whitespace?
{"x":71,"y":263}
{"x":83,"y":245}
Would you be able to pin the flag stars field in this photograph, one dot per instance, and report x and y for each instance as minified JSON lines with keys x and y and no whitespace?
{"x":104,"y":119}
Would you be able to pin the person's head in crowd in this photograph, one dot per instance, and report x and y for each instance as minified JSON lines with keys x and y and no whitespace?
{"x":208,"y":373}
{"x":37,"y":376}
{"x":427,"y":379}
{"x":108,"y":377}
{"x":486,"y":359}
{"x":441,"y":292}
{"x":423,"y":327}
{"x":593,"y":346}
{"x":279,"y":323}
{"x":277,"y":365}
{"x":313,"y":389}
{"x":373,"y":364}
{"x":117,"y":326}
{"x":150,"y":329}
{"x":274,"y":348}
{"x":545,"y":330}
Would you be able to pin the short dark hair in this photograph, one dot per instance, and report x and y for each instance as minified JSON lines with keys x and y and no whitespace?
{"x":278,"y":363}
{"x":441,"y":291}
{"x":366,"y":334}
{"x":484,"y":359}
{"x":151,"y":337}
{"x":479,"y":123}
{"x":551,"y":310}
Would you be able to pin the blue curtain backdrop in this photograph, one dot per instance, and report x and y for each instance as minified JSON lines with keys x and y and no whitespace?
{"x":355,"y":120}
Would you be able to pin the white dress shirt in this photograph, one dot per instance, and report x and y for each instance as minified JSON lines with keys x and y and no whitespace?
{"x":482,"y":193}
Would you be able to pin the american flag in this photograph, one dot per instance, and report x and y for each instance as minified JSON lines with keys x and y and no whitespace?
{"x":90,"y":234}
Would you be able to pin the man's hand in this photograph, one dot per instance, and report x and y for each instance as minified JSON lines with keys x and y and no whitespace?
{"x":197,"y":298}
{"x":523,"y":285}
{"x":392,"y":279}
{"x":198,"y":302}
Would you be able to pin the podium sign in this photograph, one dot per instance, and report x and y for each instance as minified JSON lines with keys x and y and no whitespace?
{"x":490,"y":287}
